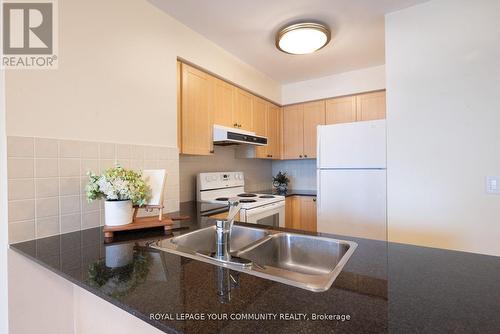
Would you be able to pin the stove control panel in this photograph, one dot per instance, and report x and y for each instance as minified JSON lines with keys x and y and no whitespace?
{"x":217,"y":180}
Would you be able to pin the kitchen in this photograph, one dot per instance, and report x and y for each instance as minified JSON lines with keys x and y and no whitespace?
{"x":386,"y":132}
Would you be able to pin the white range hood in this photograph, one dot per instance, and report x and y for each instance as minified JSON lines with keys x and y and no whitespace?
{"x":230,"y":136}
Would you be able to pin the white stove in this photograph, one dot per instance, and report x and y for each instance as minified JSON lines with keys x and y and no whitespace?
{"x":219,"y":187}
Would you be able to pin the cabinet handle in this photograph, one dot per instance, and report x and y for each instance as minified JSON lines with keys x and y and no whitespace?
{"x":235,"y":125}
{"x":239,"y":125}
{"x":305,"y":155}
{"x":314,"y":199}
{"x":300,"y":156}
{"x":212,"y":151}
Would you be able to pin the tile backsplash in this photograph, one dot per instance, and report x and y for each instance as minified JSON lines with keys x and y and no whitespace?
{"x":47,"y":178}
{"x":257,"y":171}
{"x":302,"y":173}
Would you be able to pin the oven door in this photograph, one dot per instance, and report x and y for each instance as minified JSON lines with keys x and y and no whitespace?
{"x":270,"y":215}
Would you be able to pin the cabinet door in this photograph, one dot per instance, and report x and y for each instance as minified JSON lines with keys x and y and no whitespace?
{"x":293,"y":131}
{"x":243,"y":110}
{"x":259,"y":110}
{"x":273,"y":131}
{"x":196,"y":112}
{"x":341,"y":110}
{"x":370,"y":106}
{"x":289,"y":212}
{"x":307,"y":213}
{"x":314,"y":115}
{"x":223,"y":103}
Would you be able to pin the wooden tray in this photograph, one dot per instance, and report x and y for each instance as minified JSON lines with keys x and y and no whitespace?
{"x":143,"y":223}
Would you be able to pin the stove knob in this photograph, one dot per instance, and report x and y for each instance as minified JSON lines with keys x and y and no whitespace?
{"x":208,"y":178}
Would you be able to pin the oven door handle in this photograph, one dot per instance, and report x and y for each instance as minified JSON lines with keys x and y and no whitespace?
{"x":265,"y":208}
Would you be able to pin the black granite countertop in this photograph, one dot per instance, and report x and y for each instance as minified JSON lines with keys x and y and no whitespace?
{"x":385,"y":287}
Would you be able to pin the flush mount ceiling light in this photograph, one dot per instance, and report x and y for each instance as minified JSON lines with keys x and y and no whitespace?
{"x":302,"y":38}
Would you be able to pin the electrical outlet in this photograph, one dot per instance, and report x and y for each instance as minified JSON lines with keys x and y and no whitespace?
{"x":493,"y":184}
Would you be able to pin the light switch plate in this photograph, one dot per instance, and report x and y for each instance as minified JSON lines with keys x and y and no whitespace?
{"x":493,"y":184}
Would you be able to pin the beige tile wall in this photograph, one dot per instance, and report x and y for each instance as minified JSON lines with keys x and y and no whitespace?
{"x":47,"y":178}
{"x":257,"y":171}
{"x":302,"y":173}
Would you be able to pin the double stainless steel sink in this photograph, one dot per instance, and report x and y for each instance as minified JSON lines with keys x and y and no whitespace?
{"x":304,"y":261}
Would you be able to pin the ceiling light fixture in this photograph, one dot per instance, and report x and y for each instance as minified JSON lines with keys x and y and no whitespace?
{"x":302,"y":38}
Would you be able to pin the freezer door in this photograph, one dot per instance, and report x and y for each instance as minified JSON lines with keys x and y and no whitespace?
{"x":352,"y":145}
{"x":352,"y":203}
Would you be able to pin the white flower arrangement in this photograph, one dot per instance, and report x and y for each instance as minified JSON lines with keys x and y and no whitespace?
{"x":118,"y":184}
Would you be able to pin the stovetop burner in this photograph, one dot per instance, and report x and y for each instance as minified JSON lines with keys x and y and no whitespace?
{"x":266,"y":196}
{"x":247,"y":195}
{"x":248,"y":200}
{"x":225,"y":199}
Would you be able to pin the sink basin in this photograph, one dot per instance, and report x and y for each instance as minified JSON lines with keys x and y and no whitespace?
{"x":298,"y":253}
{"x":304,"y":261}
{"x":203,"y":240}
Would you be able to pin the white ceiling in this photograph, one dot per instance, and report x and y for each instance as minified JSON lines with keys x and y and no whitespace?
{"x":247,"y":28}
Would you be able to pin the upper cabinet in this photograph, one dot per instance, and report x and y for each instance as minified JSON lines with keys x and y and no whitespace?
{"x":314,"y":115}
{"x":341,"y":110}
{"x":300,"y":122}
{"x":293,"y":131}
{"x":259,"y":115}
{"x":363,"y":107}
{"x":273,"y":131}
{"x":370,"y":106}
{"x":196,"y":111}
{"x":204,"y":100}
{"x":267,"y":123}
{"x":224,"y":94}
{"x":242,"y":114}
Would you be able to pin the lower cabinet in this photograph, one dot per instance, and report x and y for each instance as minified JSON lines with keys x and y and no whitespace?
{"x":300,"y":213}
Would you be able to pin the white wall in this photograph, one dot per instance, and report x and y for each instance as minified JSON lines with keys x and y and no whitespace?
{"x":116,"y":79}
{"x":363,"y":80}
{"x":3,"y":208}
{"x":443,"y":84}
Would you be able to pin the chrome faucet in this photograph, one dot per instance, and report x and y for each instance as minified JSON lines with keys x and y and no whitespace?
{"x":223,"y":231}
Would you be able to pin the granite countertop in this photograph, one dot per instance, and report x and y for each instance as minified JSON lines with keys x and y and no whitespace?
{"x":385,"y":287}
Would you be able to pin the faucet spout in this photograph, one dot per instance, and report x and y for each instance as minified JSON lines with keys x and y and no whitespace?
{"x":223,"y":231}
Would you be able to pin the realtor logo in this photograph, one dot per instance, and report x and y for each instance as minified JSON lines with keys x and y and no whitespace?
{"x":29,"y":34}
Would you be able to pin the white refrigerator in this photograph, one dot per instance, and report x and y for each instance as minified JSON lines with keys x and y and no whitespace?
{"x":351,"y":179}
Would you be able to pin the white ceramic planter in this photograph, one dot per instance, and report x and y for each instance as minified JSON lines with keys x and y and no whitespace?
{"x":119,"y":255}
{"x":117,"y":213}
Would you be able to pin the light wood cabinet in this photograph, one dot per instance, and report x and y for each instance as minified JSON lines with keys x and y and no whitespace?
{"x":223,"y":102}
{"x":196,"y":111}
{"x":340,"y":110}
{"x":267,"y":123}
{"x":259,"y":110}
{"x":300,"y":123}
{"x":242,"y":115}
{"x":293,"y":131}
{"x":363,"y":107}
{"x":273,"y":131}
{"x":370,"y":106}
{"x":314,"y":115}
{"x":300,"y":213}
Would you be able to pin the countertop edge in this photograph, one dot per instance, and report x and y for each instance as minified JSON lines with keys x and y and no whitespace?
{"x":96,"y":292}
